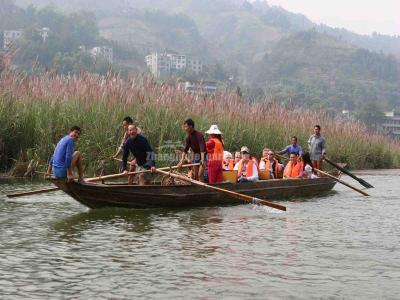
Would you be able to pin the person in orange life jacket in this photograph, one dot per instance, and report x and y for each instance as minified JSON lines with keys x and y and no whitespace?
{"x":294,"y":168}
{"x":271,"y":164}
{"x":238,"y":157}
{"x":264,"y":156}
{"x":229,"y":162}
{"x":246,"y":167}
{"x":215,"y":154}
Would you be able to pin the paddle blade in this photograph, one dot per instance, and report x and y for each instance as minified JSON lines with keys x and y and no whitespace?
{"x":365,"y":184}
{"x":258,"y":201}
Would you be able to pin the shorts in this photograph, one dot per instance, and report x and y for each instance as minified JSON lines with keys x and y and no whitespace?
{"x":60,"y":173}
{"x":147,"y":176}
{"x":316,"y":156}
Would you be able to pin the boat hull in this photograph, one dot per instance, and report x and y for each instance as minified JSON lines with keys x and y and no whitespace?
{"x":180,"y":196}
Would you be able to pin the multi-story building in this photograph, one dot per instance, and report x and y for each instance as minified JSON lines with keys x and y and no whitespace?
{"x":198,"y":87}
{"x":178,"y":62}
{"x":159,"y":64}
{"x":194,"y":65}
{"x":10,"y":36}
{"x":391,"y":123}
{"x":163,"y":64}
{"x":103,"y":52}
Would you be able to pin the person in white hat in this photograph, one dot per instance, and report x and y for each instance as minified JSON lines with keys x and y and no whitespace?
{"x":215,"y":154}
{"x":246,"y":167}
{"x":229,"y":162}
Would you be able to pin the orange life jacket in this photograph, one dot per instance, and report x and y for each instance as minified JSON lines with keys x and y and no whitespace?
{"x":216,"y":152}
{"x":293,"y":171}
{"x":268,"y":166}
{"x":249,"y":168}
{"x":229,"y":164}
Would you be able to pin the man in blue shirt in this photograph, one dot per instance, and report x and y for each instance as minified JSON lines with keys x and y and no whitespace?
{"x":64,"y":158}
{"x":292,"y":148}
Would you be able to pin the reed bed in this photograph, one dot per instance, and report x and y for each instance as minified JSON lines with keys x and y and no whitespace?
{"x":35,"y":111}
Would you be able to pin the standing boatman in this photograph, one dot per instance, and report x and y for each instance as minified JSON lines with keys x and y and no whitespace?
{"x":195,"y":141}
{"x":144,"y":155}
{"x":317,"y":148}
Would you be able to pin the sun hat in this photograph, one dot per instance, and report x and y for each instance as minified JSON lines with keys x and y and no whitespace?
{"x":227,"y":155}
{"x":244,"y":149}
{"x":213,"y":130}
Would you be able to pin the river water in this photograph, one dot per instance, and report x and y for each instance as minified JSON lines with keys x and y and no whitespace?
{"x":342,"y":245}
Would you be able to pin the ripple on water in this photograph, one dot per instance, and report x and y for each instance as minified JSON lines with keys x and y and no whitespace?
{"x":341,"y":246}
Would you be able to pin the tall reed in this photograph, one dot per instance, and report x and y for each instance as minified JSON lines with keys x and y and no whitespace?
{"x":35,"y":111}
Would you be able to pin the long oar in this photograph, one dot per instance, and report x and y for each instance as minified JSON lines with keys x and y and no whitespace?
{"x":93,"y":179}
{"x":342,"y":182}
{"x":360,"y":180}
{"x":230,"y":193}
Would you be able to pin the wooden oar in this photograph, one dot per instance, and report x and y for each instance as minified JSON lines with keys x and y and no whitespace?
{"x":342,"y":182}
{"x":246,"y":198}
{"x":32,"y":192}
{"x":93,"y":179}
{"x":360,"y":180}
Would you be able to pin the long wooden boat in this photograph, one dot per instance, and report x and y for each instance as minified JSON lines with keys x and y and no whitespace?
{"x":95,"y":195}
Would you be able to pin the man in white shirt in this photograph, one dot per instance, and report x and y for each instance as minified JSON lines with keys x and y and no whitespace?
{"x":246,"y":167}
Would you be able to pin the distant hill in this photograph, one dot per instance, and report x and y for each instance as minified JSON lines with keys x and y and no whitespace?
{"x":205,"y":10}
{"x":316,"y":69}
{"x":263,"y":47}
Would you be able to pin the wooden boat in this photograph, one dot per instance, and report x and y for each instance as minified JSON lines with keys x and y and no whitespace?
{"x":95,"y":195}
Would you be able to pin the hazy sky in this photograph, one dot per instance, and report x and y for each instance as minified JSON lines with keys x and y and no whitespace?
{"x":361,"y":16}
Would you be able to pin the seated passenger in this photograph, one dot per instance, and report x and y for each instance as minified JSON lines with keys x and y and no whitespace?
{"x":238,"y":157}
{"x":308,"y":170}
{"x":264,"y":157}
{"x":271,"y":164}
{"x":294,"y":168}
{"x":228,"y":162}
{"x":246,"y":167}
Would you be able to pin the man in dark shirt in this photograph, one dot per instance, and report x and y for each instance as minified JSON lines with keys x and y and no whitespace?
{"x":194,"y":141}
{"x":140,"y":148}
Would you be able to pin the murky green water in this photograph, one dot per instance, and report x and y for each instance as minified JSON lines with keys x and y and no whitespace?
{"x":339,"y":246}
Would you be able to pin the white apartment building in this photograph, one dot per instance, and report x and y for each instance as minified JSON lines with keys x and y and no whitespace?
{"x":10,"y":36}
{"x":195,"y":65}
{"x":162,"y":64}
{"x":103,"y":52}
{"x":391,"y":123}
{"x":198,"y":87}
{"x":159,"y":64}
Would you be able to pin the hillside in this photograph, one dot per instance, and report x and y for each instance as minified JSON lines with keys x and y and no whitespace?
{"x":204,"y":11}
{"x":264,"y":49}
{"x":316,"y":69}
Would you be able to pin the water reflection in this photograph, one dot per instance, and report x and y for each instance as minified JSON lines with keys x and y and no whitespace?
{"x":334,"y":246}
{"x":138,"y":221}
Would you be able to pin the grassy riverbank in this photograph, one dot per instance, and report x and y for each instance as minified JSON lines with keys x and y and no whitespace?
{"x":36,"y":111}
